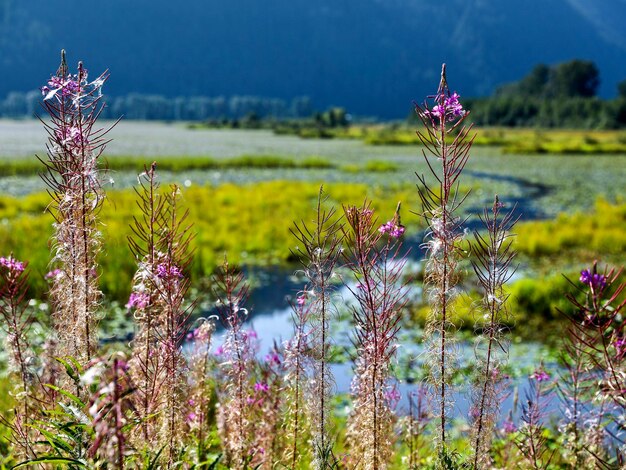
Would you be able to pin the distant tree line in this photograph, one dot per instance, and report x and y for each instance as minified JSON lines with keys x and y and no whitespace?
{"x":157,"y":107}
{"x":562,"y":95}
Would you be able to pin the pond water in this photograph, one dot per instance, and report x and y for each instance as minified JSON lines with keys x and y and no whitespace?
{"x":270,"y":316}
{"x":555,"y":183}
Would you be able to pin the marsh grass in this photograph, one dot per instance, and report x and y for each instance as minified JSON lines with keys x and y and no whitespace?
{"x":250,"y":222}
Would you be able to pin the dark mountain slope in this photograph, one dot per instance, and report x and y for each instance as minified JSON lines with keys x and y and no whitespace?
{"x":371,"y":56}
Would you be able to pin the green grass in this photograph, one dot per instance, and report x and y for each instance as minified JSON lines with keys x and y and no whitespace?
{"x":510,"y":140}
{"x":15,"y":167}
{"x":250,"y":223}
{"x":600,"y":234}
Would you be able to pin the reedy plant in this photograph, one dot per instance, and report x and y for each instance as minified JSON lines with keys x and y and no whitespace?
{"x":268,"y":405}
{"x":201,"y":397}
{"x":237,"y":364}
{"x":72,"y":174}
{"x":377,"y":269}
{"x":493,"y":256}
{"x":530,"y":439}
{"x":146,"y":245}
{"x":440,"y":206}
{"x":597,"y":336}
{"x":172,"y":286}
{"x":296,"y":365}
{"x":110,"y":409}
{"x":16,"y":323}
{"x":318,"y":252}
{"x":161,"y":247}
{"x":414,"y":428}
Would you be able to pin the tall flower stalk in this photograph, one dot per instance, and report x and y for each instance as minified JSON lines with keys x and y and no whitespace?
{"x":146,"y":244}
{"x":493,"y":256}
{"x":237,"y":356}
{"x":597,"y":342}
{"x":72,"y":174}
{"x":296,"y":365}
{"x":446,"y":141}
{"x":16,"y":323}
{"x":318,"y":252}
{"x":172,"y":286}
{"x":201,"y":383}
{"x":380,"y":295}
{"x":161,"y":247}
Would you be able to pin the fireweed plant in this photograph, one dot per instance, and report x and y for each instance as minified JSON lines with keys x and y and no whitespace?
{"x":73,"y":177}
{"x":377,"y":269}
{"x":319,"y":249}
{"x":492,"y":261}
{"x":17,"y":321}
{"x":297,"y":363}
{"x":447,"y":142}
{"x":237,"y":363}
{"x":146,"y":245}
{"x":593,"y":388}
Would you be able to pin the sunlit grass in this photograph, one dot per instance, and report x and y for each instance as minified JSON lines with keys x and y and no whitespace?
{"x":249,"y":222}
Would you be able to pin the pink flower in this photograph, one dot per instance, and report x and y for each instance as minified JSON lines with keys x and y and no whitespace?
{"x":392,"y":228}
{"x":14,"y":266}
{"x":301,"y":300}
{"x":540,"y":375}
{"x":273,"y":358}
{"x":191,"y":417}
{"x":138,"y":300}
{"x":449,"y":110}
{"x":55,"y":273}
{"x":509,"y":427}
{"x":169,"y":272}
{"x":261,"y":387}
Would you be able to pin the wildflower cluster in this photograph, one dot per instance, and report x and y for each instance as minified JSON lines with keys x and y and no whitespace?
{"x":15,"y":267}
{"x":447,"y":107}
{"x":393,"y":227}
{"x":593,"y":279}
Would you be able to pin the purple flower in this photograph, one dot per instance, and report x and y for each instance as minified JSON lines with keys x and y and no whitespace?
{"x":55,"y":273}
{"x":191,"y":417}
{"x":453,"y":106}
{"x":594,"y":280}
{"x":219,"y":351}
{"x":261,"y":387}
{"x":449,"y":110}
{"x":67,"y":86}
{"x":392,"y":395}
{"x":540,"y":375}
{"x":138,"y":300}
{"x":168,"y":272}
{"x":301,"y":300}
{"x":392,"y":228}
{"x":620,"y":346}
{"x":14,"y":266}
{"x":509,"y":426}
{"x":273,"y":358}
